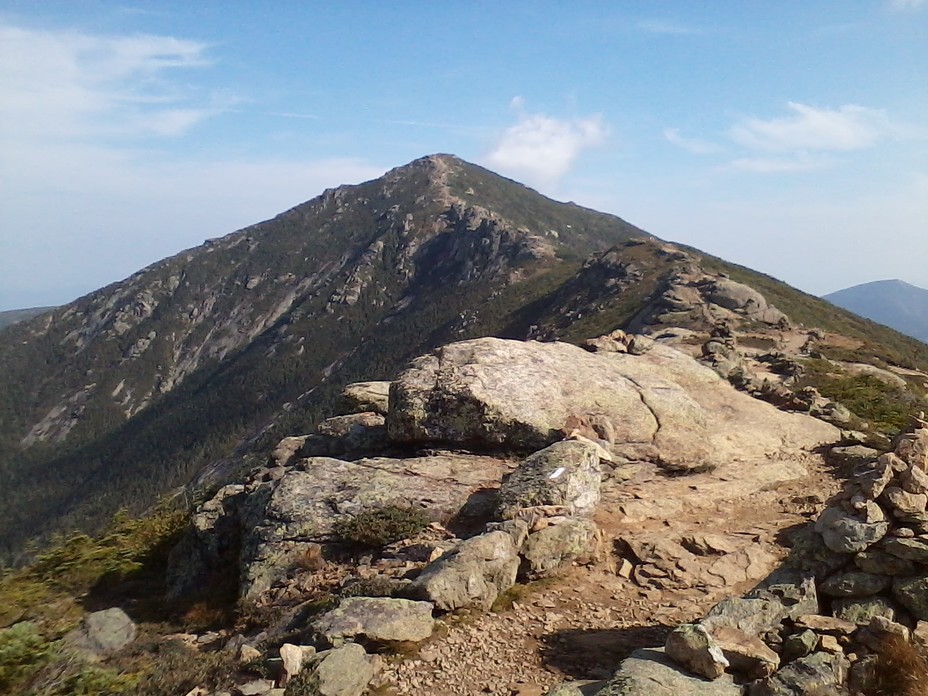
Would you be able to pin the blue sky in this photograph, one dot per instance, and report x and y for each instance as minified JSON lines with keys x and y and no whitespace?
{"x":791,"y":137}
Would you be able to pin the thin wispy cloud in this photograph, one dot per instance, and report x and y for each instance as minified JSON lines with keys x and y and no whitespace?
{"x":808,"y":128}
{"x":779,"y":165}
{"x":72,"y":85}
{"x":907,"y":5}
{"x":291,"y":114}
{"x":656,"y":26}
{"x":694,"y":146}
{"x":541,"y":149}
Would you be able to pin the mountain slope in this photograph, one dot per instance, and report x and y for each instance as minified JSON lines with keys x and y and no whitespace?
{"x":894,"y":303}
{"x":128,"y":391}
{"x":195,"y":367}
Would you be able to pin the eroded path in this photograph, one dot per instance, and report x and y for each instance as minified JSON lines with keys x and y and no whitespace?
{"x":693,"y":540}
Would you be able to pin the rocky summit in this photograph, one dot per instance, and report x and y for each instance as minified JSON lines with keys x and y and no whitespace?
{"x":437,"y":434}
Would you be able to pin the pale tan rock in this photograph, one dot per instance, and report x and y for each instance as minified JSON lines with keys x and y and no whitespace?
{"x":248,"y":653}
{"x":826,"y":625}
{"x":745,"y":653}
{"x":830,"y":644}
{"x":903,"y":501}
{"x":367,"y":396}
{"x":920,"y":634}
{"x":692,"y":647}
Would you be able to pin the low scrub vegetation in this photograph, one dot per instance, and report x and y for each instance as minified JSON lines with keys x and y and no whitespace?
{"x":39,"y":604}
{"x":380,"y":526}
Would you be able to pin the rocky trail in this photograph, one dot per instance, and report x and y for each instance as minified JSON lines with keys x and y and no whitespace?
{"x":581,"y":625}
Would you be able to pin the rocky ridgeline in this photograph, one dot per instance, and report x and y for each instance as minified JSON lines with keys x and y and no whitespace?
{"x":857,"y":579}
{"x":504,"y":444}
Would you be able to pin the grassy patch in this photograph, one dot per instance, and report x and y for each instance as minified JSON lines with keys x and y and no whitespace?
{"x":888,"y":408}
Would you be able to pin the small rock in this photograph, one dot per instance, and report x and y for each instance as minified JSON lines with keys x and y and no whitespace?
{"x":257,"y":687}
{"x":746,"y":654}
{"x":861,"y":611}
{"x":854,"y":583}
{"x":344,"y":671}
{"x":799,"y":645}
{"x":692,"y":647}
{"x":847,"y":534}
{"x":248,"y":653}
{"x":903,"y":501}
{"x":826,"y":625}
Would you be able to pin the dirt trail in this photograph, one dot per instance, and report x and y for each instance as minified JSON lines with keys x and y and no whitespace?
{"x":582,"y":624}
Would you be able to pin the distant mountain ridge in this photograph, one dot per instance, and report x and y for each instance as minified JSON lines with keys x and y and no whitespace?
{"x":895,"y":303}
{"x":14,"y":316}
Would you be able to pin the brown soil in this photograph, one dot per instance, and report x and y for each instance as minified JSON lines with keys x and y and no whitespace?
{"x":580,"y":625}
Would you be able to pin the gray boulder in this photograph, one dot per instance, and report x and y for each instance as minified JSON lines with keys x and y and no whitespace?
{"x":566,"y":474}
{"x":344,"y":671}
{"x":379,"y":619}
{"x":352,"y":435}
{"x":102,"y":633}
{"x":471,"y":575}
{"x":861,"y":611}
{"x":912,"y":593}
{"x":367,"y":396}
{"x":854,"y":583}
{"x":845,"y":533}
{"x":818,"y":671}
{"x":549,"y":550}
{"x":650,"y":672}
{"x":915,"y":549}
{"x":285,"y":518}
{"x":754,"y":616}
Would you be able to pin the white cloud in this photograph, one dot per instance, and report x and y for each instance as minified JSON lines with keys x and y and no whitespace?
{"x":71,"y":85}
{"x":907,"y":5}
{"x":808,"y":128}
{"x":692,"y":145}
{"x":668,"y":28}
{"x":541,"y":149}
{"x":88,"y":194}
{"x":779,"y":165}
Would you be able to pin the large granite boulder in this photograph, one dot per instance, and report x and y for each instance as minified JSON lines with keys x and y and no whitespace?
{"x":210,"y":543}
{"x":102,"y":633}
{"x":661,"y":405}
{"x":472,"y":574}
{"x":566,"y":474}
{"x":282,"y":519}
